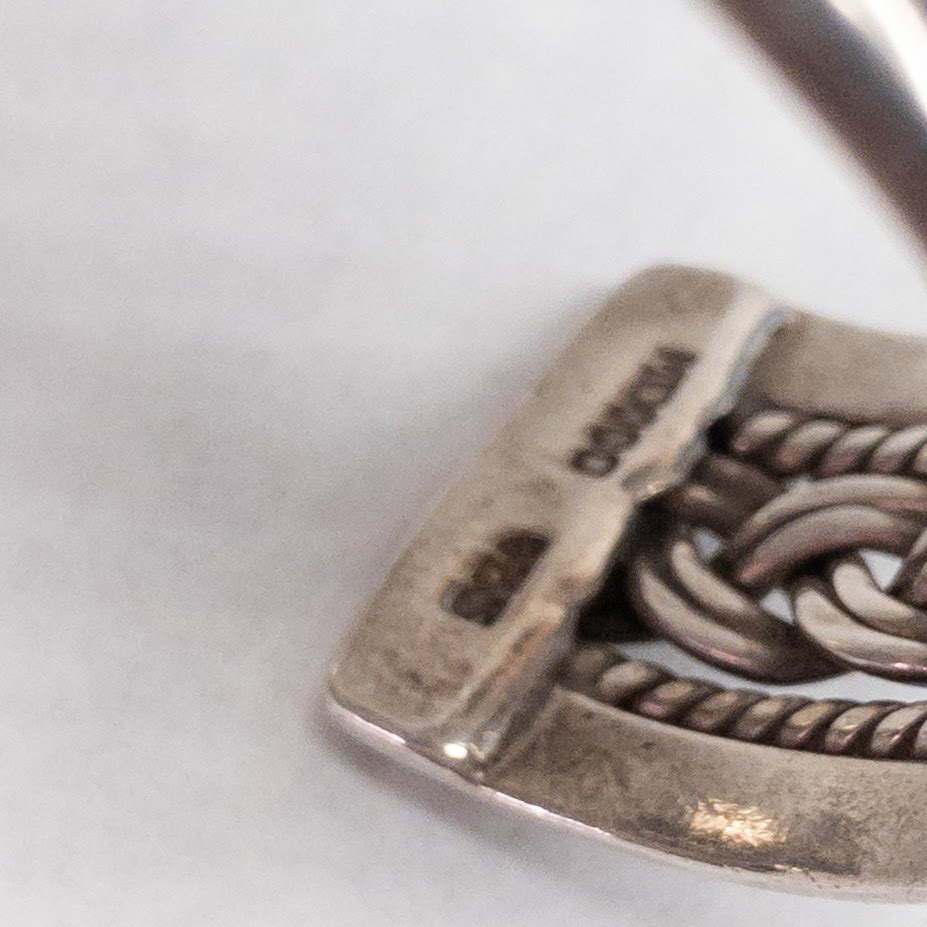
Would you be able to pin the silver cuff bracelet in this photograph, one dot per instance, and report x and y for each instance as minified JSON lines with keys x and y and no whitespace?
{"x":709,"y":467}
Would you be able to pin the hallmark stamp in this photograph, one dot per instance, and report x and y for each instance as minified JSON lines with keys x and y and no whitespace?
{"x":624,"y":419}
{"x":494,"y":577}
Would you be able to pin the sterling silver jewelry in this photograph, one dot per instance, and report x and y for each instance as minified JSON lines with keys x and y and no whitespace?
{"x":698,"y":447}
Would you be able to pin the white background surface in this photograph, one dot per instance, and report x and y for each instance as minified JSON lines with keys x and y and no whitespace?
{"x":270,"y":274}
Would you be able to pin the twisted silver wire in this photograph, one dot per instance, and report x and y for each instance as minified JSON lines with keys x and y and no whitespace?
{"x":787,"y":443}
{"x":875,"y":730}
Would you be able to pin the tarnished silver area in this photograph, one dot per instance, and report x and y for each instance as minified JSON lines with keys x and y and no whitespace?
{"x":806,"y":821}
{"x":694,"y":451}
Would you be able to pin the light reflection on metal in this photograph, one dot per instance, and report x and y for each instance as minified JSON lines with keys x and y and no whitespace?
{"x":455,"y":751}
{"x":737,"y":825}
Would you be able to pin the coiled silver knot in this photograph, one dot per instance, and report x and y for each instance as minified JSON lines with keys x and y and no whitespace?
{"x":792,"y":504}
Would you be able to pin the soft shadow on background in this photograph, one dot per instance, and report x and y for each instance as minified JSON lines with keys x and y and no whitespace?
{"x":269,"y":278}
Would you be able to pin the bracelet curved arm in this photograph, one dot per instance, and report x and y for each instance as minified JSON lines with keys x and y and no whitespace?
{"x":863,"y":65}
